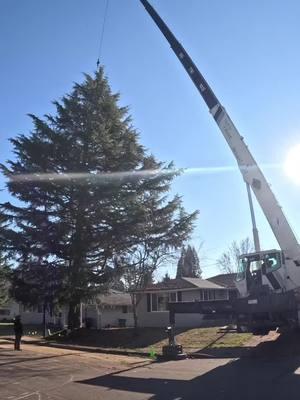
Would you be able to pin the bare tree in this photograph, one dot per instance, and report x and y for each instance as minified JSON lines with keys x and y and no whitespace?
{"x":228,"y":261}
{"x":139,"y":267}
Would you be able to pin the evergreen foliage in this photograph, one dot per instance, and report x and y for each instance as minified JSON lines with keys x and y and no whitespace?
{"x":166,"y":278}
{"x":188,"y":264}
{"x":87,"y":193}
{"x":4,"y":281}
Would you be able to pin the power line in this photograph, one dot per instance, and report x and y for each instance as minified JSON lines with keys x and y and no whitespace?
{"x":102,"y":33}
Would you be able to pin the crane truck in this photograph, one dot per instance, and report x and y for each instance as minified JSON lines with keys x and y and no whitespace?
{"x":268,"y":281}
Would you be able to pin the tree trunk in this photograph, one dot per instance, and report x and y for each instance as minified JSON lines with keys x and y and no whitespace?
{"x":135,"y":317}
{"x":74,"y":315}
{"x":44,"y":320}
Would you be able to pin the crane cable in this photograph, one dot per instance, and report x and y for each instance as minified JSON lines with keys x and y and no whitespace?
{"x":102,"y":33}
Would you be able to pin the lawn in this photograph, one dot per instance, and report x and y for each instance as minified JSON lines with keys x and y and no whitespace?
{"x":152,"y":339}
{"x":6,"y":329}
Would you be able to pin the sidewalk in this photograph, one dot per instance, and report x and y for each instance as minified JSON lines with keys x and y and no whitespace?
{"x":33,"y":349}
{"x":38,"y":341}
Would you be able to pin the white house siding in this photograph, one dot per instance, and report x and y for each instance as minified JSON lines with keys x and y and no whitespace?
{"x":30,"y":315}
{"x":151,"y":319}
{"x":107,"y":316}
{"x":112,"y":317}
{"x":161,"y":318}
{"x":36,"y":318}
{"x":9,"y":310}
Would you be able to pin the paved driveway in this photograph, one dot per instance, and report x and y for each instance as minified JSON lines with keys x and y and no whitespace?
{"x":44,"y":373}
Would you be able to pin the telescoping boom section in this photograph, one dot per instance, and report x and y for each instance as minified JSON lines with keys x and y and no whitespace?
{"x":276,"y":271}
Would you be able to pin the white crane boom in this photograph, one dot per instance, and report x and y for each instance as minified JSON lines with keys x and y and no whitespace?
{"x":258,"y":183}
{"x":249,"y":168}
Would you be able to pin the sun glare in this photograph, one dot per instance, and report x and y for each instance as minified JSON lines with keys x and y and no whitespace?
{"x":292,"y":164}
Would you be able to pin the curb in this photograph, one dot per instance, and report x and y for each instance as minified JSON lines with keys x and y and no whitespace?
{"x":82,"y":348}
{"x":94,"y":349}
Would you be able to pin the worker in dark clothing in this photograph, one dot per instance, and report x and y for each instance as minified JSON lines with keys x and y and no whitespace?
{"x":18,"y":328}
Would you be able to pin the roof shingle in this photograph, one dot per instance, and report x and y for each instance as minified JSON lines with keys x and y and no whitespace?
{"x":225,"y":280}
{"x":114,"y":298}
{"x":182,"y":283}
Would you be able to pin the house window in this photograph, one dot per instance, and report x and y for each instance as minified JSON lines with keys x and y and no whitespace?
{"x":4,"y":311}
{"x":173,"y":296}
{"x":154,"y":306}
{"x":205,"y":295}
{"x":160,"y":301}
{"x":124,"y":309}
{"x":208,"y":294}
{"x":221,"y":294}
{"x":213,"y":294}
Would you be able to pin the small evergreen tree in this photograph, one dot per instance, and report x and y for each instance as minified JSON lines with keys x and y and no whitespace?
{"x":180,"y":265}
{"x":188,"y":264}
{"x":166,"y":278}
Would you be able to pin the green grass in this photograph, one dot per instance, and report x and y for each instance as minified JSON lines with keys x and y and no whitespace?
{"x":232,"y":340}
{"x":151,"y":340}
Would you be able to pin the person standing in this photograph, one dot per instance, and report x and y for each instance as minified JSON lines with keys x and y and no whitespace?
{"x":18,"y":328}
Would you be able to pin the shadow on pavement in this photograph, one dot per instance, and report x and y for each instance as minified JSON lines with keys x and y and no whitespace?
{"x":222,"y":352}
{"x":27,"y":359}
{"x":266,"y":374}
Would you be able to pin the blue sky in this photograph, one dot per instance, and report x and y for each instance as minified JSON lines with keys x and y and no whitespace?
{"x":248,"y":52}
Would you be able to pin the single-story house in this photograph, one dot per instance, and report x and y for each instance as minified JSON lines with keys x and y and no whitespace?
{"x":107,"y":310}
{"x":227,"y":281}
{"x":152,"y":302}
{"x":32,"y":315}
{"x":9,"y":310}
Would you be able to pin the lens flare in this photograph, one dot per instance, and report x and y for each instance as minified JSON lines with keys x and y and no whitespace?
{"x":292,"y":164}
{"x":123,"y":176}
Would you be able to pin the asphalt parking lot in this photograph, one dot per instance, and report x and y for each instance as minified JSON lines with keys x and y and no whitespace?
{"x":39,"y":373}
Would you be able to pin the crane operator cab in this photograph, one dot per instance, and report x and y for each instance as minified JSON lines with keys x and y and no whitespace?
{"x":257,"y":272}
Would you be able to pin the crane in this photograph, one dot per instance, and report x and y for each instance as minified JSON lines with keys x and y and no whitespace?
{"x":268,"y":281}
